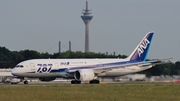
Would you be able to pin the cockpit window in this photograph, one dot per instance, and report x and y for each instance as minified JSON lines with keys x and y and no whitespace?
{"x":21,"y":66}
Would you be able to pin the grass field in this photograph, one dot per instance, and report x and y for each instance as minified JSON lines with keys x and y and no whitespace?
{"x":92,"y":92}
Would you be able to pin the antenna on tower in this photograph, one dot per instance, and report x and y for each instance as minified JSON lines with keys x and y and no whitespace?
{"x":59,"y":46}
{"x":86,"y":17}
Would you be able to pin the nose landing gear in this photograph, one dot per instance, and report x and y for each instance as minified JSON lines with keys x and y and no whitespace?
{"x":26,"y":82}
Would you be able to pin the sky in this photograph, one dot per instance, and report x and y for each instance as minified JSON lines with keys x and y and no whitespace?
{"x":117,"y":26}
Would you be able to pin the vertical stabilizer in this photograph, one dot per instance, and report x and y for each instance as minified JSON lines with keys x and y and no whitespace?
{"x":141,"y":51}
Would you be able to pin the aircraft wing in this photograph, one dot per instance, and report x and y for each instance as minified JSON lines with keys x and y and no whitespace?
{"x":103,"y":68}
{"x":140,"y":64}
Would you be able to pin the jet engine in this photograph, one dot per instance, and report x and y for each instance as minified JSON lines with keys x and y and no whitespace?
{"x":47,"y":79}
{"x":84,"y":75}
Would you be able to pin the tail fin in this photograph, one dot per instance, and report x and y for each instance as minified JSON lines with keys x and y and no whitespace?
{"x":141,"y":51}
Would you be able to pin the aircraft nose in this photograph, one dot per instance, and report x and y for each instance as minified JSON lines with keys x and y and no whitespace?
{"x":14,"y":72}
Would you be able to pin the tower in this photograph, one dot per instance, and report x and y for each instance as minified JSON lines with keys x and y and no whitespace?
{"x":86,"y":17}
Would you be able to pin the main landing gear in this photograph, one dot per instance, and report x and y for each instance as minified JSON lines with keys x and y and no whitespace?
{"x":75,"y":82}
{"x":90,"y":82}
{"x":94,"y":82}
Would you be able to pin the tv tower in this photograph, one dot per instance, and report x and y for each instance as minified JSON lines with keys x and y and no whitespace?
{"x":86,"y":18}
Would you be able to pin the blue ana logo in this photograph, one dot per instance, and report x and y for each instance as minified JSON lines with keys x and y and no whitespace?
{"x":65,"y":63}
{"x":142,"y":46}
{"x":44,"y":68}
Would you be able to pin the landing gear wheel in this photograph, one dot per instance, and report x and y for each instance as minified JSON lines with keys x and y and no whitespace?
{"x":94,"y":82}
{"x":25,"y":82}
{"x":75,"y":82}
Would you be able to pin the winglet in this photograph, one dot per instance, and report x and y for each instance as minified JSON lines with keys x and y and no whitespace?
{"x":141,"y":51}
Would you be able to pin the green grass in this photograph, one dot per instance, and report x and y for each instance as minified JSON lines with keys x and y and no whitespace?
{"x":88,"y":92}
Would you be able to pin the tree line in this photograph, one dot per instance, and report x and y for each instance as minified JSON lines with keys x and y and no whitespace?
{"x":9,"y":59}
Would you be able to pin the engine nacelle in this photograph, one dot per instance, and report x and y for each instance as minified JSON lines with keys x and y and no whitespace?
{"x":47,"y":79}
{"x":84,"y":75}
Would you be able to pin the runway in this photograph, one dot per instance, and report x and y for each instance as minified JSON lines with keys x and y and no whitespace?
{"x":57,"y":82}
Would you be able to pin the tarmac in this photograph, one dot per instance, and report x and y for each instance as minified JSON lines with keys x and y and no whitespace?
{"x":56,"y":82}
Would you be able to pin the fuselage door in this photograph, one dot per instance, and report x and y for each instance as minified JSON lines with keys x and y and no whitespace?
{"x":32,"y":66}
{"x":56,"y":66}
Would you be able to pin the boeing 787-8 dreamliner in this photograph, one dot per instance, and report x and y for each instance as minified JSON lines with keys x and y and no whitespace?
{"x":88,"y":70}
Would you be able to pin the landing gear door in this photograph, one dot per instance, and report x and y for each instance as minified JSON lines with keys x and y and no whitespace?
{"x":32,"y":66}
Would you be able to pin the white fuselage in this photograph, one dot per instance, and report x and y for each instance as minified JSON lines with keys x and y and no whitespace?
{"x":62,"y":67}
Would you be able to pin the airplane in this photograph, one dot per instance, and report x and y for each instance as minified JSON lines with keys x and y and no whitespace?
{"x":87,"y":70}
{"x":5,"y":72}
